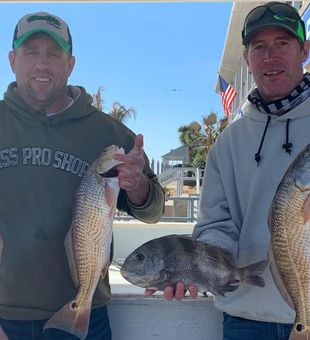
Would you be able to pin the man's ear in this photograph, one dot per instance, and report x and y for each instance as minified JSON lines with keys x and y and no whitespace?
{"x":306,"y":50}
{"x":245,"y":56}
{"x":12,"y":56}
{"x":71,"y":66}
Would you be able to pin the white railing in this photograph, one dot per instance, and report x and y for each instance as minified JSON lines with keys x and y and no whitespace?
{"x":168,"y":176}
{"x":178,"y":209}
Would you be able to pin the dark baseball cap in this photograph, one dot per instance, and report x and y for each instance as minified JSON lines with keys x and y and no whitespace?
{"x":43,"y":22}
{"x":276,"y":14}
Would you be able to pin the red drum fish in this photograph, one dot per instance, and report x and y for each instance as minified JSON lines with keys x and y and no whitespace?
{"x":88,"y":241}
{"x":289,"y":223}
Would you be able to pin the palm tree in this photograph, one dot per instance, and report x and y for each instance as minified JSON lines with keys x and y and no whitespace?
{"x":199,"y":140}
{"x":188,"y":135}
{"x":98,"y":100}
{"x":118,"y":111}
{"x":121,"y":113}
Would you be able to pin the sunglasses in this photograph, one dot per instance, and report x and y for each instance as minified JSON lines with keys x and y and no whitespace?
{"x":280,"y":11}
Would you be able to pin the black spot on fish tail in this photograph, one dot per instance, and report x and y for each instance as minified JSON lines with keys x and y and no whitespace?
{"x":300,"y":332}
{"x":74,"y":305}
{"x":71,"y":319}
{"x":300,"y":327}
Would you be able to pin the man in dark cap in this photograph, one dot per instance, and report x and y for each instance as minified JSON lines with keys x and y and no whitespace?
{"x":49,"y":134}
{"x":246,"y":165}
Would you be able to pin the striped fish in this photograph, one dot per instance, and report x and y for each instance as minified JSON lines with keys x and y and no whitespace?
{"x":289,"y":223}
{"x":88,"y":241}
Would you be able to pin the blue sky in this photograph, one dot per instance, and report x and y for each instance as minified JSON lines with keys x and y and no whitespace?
{"x":159,"y":58}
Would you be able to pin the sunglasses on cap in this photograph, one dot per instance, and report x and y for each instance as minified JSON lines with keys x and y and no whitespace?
{"x":281,"y":13}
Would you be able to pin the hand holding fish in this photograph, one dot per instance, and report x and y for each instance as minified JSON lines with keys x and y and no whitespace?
{"x":177,"y":263}
{"x":130,"y":173}
{"x":178,"y":293}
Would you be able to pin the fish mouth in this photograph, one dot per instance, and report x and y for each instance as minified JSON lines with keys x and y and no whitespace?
{"x":132,"y":278}
{"x":124,"y":273}
{"x":110,"y":173}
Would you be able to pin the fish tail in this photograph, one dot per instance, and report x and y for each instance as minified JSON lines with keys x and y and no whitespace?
{"x":300,"y":334}
{"x":72,"y":319}
{"x":252,"y":274}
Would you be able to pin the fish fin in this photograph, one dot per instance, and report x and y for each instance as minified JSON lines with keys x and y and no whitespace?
{"x":104,"y":271}
{"x":302,"y":334}
{"x":306,"y":210}
{"x":71,"y":258}
{"x":252,"y":273}
{"x":72,"y":319}
{"x":278,"y":279}
{"x":269,"y":219}
{"x":105,"y":161}
{"x":221,"y":253}
{"x":111,"y":193}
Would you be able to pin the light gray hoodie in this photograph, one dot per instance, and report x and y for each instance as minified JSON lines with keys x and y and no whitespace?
{"x":236,"y":197}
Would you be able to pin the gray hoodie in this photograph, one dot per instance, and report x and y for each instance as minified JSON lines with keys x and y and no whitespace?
{"x":236,"y":197}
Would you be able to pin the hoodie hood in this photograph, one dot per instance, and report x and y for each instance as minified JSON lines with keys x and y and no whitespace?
{"x":294,"y":106}
{"x":272,"y":119}
{"x":81,"y":106}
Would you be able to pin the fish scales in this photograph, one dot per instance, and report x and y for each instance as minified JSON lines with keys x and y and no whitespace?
{"x":170,"y":259}
{"x":88,"y":241}
{"x":91,"y":244}
{"x":290,"y":241}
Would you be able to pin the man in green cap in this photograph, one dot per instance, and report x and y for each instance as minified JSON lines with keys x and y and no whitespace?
{"x":246,"y":165}
{"x":49,"y":134}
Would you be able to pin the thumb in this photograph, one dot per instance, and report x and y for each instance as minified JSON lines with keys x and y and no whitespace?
{"x":138,"y":147}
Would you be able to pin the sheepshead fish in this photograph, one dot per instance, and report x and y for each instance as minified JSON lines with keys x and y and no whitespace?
{"x":169,"y":259}
{"x":289,"y":223}
{"x":88,"y":241}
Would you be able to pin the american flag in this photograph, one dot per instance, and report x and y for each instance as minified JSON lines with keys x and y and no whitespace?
{"x":228,"y":94}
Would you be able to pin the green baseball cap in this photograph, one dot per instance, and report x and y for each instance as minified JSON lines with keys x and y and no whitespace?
{"x":276,"y":14}
{"x":46,"y":23}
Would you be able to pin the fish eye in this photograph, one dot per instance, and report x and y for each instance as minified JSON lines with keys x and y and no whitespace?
{"x":140,"y":257}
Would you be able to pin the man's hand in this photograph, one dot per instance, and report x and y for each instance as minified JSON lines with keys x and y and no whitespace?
{"x":130,"y":173}
{"x":178,"y":293}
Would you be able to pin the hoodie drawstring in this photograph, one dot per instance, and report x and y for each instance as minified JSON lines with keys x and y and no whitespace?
{"x":257,"y":155}
{"x":287,"y":146}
